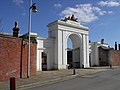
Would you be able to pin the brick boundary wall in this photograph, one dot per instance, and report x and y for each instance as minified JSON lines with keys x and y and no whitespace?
{"x":114,"y":56}
{"x":13,"y":58}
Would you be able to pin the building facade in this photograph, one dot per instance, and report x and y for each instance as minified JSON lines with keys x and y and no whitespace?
{"x":99,"y":53}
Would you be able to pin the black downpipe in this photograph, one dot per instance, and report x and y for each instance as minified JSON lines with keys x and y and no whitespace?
{"x":21,"y":59}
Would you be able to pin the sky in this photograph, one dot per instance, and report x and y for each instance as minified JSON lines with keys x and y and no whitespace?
{"x":101,"y":16}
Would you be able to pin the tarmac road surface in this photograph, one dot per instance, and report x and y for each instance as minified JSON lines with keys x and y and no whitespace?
{"x":107,"y":80}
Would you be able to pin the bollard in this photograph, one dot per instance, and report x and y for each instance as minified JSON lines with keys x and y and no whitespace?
{"x":12,"y":83}
{"x":110,"y":66}
{"x":74,"y":71}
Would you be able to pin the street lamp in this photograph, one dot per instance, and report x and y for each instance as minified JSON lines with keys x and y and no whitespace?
{"x":31,"y":9}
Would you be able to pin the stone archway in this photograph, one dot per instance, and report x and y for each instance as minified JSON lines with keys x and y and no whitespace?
{"x":60,"y":31}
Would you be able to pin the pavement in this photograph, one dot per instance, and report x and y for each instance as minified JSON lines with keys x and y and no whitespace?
{"x":53,"y":76}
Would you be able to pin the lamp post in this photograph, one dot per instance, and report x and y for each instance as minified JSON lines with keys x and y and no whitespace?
{"x":31,"y":9}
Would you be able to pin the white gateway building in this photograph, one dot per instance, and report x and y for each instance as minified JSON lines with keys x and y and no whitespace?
{"x":53,"y":53}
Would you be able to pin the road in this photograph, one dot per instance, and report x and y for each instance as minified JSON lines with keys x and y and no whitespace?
{"x":108,"y":80}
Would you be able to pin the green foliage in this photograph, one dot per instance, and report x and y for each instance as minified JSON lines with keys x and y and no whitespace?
{"x":32,"y":39}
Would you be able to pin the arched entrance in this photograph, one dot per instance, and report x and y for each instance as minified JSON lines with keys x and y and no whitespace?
{"x":73,"y":51}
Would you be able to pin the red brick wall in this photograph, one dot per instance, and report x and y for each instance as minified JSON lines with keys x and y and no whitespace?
{"x":33,"y":53}
{"x":115,"y":57}
{"x":10,"y":58}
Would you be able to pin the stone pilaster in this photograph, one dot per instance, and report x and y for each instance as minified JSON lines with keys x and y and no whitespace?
{"x":85,"y":50}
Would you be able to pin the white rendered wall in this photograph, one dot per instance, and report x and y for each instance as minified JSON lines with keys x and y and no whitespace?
{"x":45,"y":45}
{"x":94,"y":54}
{"x":40,"y":49}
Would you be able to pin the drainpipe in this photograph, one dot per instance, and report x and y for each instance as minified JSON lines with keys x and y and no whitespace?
{"x":21,"y":58}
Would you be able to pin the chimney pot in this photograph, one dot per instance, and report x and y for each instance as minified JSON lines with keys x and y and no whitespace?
{"x":115,"y":45}
{"x":16,"y":30}
{"x":102,"y":41}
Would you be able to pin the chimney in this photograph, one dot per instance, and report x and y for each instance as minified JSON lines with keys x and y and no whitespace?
{"x":16,"y":30}
{"x":102,"y":41}
{"x":115,"y":45}
{"x":119,"y":46}
{"x":89,"y":41}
